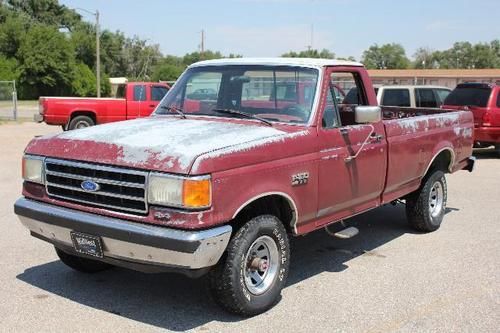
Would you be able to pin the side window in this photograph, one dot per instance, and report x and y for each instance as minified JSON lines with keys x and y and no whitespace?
{"x":330,"y":114}
{"x":349,"y":93}
{"x":139,"y":93}
{"x":396,"y":97}
{"x":442,"y":94}
{"x":498,"y":100}
{"x":157,"y":93}
{"x":425,"y":98}
{"x":121,"y":91}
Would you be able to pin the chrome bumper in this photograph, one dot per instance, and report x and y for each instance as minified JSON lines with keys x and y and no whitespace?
{"x":123,"y":240}
{"x":38,"y":118}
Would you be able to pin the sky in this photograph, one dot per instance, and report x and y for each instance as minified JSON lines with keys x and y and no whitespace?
{"x":262,"y":28}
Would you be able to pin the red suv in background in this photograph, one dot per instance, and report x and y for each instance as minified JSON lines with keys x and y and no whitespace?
{"x":483,"y":99}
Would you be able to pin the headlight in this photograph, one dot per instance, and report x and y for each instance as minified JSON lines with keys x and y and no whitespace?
{"x":33,"y":169}
{"x":167,"y":190}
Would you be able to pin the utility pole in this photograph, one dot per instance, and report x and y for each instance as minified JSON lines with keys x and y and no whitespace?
{"x":311,"y":41}
{"x":202,"y":45}
{"x":98,"y":54}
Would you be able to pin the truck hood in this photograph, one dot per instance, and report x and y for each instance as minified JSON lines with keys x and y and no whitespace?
{"x":168,"y":144}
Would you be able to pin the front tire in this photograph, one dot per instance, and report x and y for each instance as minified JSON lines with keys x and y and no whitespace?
{"x":80,"y":264}
{"x":250,"y":276}
{"x":425,"y":208}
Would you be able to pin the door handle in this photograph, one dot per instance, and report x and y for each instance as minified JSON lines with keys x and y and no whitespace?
{"x":374,"y":137}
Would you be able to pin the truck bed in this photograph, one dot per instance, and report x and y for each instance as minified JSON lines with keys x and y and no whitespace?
{"x":412,"y":134}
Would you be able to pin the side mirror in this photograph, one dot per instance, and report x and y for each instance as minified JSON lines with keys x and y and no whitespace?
{"x":367,"y":114}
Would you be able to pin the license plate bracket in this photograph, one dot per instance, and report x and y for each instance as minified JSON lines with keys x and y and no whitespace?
{"x":87,"y":244}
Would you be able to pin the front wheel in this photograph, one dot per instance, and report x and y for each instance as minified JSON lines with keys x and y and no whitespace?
{"x":250,"y":276}
{"x":425,"y":208}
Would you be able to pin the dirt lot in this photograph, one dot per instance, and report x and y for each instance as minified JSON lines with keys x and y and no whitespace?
{"x":388,"y":278}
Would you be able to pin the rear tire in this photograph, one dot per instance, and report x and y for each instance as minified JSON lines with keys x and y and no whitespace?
{"x":80,"y":264}
{"x":425,"y":208}
{"x":80,"y":122}
{"x":250,"y":276}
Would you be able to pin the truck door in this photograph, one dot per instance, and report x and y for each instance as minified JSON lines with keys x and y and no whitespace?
{"x":348,"y":187}
{"x":137,"y":99}
{"x":157,"y":92}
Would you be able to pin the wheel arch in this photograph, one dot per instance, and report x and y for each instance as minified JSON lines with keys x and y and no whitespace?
{"x":443,"y":160}
{"x":275,"y":203}
{"x":88,"y":113}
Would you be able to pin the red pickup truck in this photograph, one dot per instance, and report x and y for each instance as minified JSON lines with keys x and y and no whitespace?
{"x":133,"y":100}
{"x":218,"y":185}
{"x":483,"y":99}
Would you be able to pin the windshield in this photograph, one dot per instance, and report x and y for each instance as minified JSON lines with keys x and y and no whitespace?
{"x":468,"y":96}
{"x":274,"y":93}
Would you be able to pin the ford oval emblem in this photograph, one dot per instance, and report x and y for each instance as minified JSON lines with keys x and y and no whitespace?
{"x":90,"y":186}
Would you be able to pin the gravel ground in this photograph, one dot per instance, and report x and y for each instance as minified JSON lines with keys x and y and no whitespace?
{"x":386,"y":279}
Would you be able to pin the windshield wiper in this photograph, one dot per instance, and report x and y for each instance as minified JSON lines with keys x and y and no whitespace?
{"x":174,"y":109}
{"x":243,"y":114}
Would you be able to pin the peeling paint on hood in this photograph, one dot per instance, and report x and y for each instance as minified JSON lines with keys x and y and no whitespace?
{"x":160,"y":143}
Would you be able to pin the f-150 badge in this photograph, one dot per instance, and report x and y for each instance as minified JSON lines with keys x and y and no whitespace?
{"x":300,"y":179}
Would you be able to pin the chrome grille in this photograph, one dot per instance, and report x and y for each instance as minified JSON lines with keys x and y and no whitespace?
{"x":119,"y":189}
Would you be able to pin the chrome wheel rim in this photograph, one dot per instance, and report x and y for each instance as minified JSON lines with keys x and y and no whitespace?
{"x":261,"y":265}
{"x":81,"y":124}
{"x":436,"y":199}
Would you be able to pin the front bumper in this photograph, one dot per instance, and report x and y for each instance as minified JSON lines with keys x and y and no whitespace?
{"x":124,"y":241}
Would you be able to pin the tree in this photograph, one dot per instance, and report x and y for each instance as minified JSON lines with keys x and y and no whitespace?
{"x":83,"y":83}
{"x":113,"y":59}
{"x":8,"y":69}
{"x":312,"y":53}
{"x":84,"y":43}
{"x":12,"y":32}
{"x":191,"y":58}
{"x":47,"y":12}
{"x":349,"y":58}
{"x":424,"y":58}
{"x":387,"y":56}
{"x":166,"y":72}
{"x":46,"y":61}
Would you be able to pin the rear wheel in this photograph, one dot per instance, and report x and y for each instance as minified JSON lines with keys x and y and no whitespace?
{"x":82,"y":264}
{"x":426,"y":207}
{"x":250,"y":276}
{"x":80,"y":122}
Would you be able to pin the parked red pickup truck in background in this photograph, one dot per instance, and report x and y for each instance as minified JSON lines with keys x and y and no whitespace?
{"x":218,"y":187}
{"x":483,"y":99}
{"x":133,"y":100}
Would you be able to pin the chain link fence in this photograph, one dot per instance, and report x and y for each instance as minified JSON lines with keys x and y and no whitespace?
{"x":8,"y":100}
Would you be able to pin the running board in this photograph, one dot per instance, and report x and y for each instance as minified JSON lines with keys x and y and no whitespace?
{"x":346,"y":233}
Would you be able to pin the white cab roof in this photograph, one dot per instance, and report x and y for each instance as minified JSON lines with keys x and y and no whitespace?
{"x":301,"y":62}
